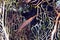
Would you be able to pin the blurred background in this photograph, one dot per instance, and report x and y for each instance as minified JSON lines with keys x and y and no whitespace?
{"x":18,"y":11}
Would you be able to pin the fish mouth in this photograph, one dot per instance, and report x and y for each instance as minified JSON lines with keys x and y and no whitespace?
{"x":58,"y":8}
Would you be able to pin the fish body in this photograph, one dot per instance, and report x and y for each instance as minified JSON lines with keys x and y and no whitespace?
{"x":24,"y":24}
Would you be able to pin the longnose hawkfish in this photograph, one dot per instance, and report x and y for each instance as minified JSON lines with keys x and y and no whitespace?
{"x":24,"y":24}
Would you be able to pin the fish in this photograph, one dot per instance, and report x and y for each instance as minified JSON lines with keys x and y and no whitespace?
{"x":25,"y":23}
